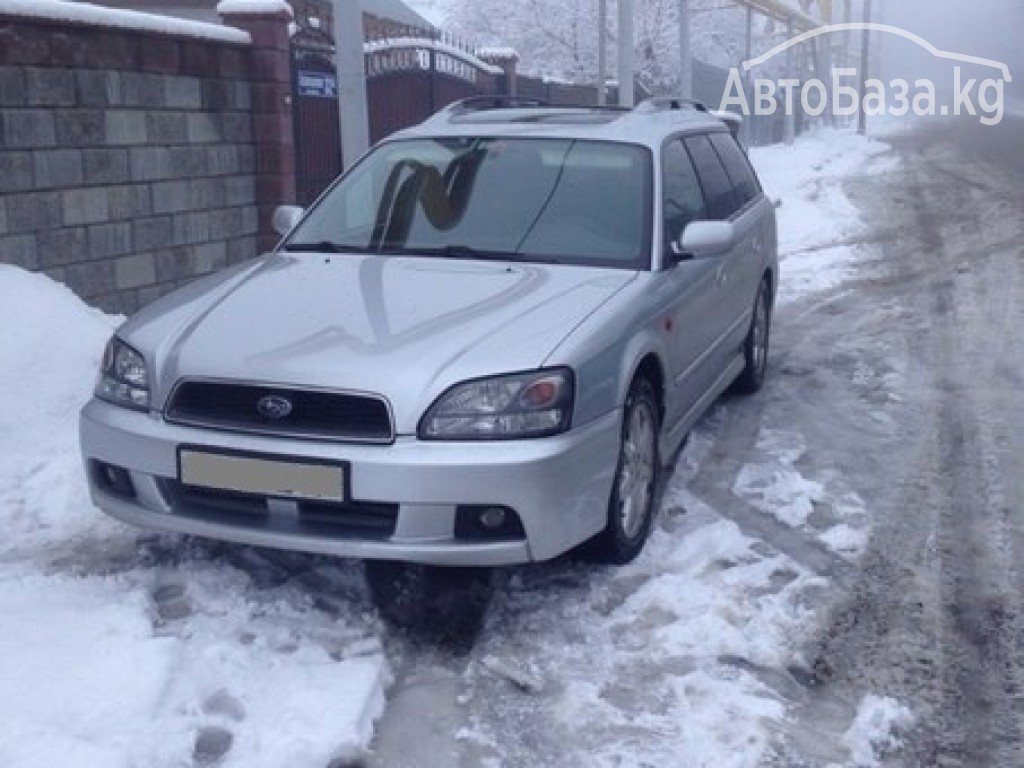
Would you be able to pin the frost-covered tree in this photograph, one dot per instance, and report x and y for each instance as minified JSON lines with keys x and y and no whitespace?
{"x":558,"y":38}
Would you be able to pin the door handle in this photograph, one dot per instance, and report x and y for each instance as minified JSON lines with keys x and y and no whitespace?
{"x":722,"y":276}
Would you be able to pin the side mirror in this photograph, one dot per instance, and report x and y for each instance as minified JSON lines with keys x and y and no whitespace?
{"x":704,"y":239}
{"x":285,"y":218}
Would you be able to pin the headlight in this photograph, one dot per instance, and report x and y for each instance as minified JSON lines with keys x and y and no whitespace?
{"x":123,"y":379}
{"x":534,"y":404}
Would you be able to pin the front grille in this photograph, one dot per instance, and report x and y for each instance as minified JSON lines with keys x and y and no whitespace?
{"x":354,"y":519}
{"x":314,"y":413}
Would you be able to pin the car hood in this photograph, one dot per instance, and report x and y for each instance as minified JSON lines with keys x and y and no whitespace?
{"x":406,"y":328}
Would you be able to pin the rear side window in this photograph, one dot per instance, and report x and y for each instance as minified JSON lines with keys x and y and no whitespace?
{"x":718,"y":191}
{"x":682,"y":198}
{"x":743,"y":178}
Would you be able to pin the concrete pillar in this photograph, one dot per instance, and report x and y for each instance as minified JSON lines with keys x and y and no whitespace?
{"x":270,"y":72}
{"x":627,"y":69}
{"x":350,"y":61}
{"x":508,"y":60}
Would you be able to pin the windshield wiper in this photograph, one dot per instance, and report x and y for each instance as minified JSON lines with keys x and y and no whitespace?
{"x":471,"y":253}
{"x":325,"y":246}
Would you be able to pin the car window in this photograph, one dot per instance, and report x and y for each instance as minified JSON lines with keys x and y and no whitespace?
{"x":718,"y":191}
{"x":682,"y":197}
{"x":561,"y":200}
{"x":744,"y":181}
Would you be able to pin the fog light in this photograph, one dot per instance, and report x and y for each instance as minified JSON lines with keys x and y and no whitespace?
{"x":487,"y":522}
{"x":112,"y":479}
{"x":493,"y":517}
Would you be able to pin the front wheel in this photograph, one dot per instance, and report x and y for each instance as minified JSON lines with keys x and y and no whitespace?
{"x":631,"y":508}
{"x":755,"y":348}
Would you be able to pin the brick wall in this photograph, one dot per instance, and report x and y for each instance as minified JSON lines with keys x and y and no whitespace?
{"x":127,"y":160}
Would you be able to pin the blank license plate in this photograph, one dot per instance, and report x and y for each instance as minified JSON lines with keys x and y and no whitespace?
{"x":266,"y":477}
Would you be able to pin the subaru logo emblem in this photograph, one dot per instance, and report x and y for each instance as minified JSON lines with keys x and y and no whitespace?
{"x":274,"y":407}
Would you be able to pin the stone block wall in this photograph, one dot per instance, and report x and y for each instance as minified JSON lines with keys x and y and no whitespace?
{"x":127,"y":157}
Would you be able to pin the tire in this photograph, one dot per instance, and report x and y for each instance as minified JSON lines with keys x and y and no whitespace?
{"x":634,"y":490}
{"x":757,"y":344}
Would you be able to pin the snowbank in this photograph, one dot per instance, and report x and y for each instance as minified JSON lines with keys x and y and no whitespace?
{"x":111,"y":661}
{"x":48,"y":366}
{"x":819,"y":228}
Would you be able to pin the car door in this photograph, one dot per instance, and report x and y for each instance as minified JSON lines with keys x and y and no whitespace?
{"x":689,"y":287}
{"x":753,"y":221}
{"x":723,"y":204}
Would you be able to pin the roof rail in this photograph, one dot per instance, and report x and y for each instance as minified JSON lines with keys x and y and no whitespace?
{"x":731,"y":119}
{"x":484,"y":103}
{"x":667,"y":103}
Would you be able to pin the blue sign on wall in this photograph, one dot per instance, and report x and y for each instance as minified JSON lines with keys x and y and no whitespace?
{"x":322,"y":85}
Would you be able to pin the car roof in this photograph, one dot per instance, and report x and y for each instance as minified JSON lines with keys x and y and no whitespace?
{"x":648,"y":124}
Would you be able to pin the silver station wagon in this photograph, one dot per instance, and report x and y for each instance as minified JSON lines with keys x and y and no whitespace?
{"x":479,"y":347}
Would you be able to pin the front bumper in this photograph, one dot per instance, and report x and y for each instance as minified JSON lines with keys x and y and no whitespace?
{"x":559,"y":487}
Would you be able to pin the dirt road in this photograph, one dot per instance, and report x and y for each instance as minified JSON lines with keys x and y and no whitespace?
{"x":934,"y":615}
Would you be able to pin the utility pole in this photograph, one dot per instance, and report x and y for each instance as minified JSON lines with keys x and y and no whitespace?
{"x":748,"y":124}
{"x":685,"y":52}
{"x":351,"y":66}
{"x":602,"y":52}
{"x":865,"y":53}
{"x":881,"y":16}
{"x":790,"y":115}
{"x":847,"y":18}
{"x":626,"y":54}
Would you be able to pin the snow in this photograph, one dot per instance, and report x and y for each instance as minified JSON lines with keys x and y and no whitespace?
{"x":47,"y":370}
{"x":654,"y":663}
{"x":498,"y":53}
{"x":775,"y":483}
{"x":253,"y":8}
{"x":420,"y":43}
{"x":875,"y":728}
{"x":81,"y":666}
{"x":110,"y":661}
{"x":820,"y":229}
{"x":86,"y":13}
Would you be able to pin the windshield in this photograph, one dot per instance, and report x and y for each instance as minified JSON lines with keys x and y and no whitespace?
{"x":549,"y":200}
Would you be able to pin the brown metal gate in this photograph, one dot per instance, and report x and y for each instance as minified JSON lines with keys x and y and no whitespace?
{"x":318,"y":157}
{"x":409,"y":76}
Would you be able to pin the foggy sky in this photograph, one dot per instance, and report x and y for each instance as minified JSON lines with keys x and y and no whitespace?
{"x":993,"y":29}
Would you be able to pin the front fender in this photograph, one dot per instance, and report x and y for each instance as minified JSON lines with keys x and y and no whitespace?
{"x":607,"y":351}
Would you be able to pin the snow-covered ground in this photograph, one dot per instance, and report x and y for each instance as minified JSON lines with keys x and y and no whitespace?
{"x":119,"y":654}
{"x":123,"y":648}
{"x":655,"y":663}
{"x":820,"y":230}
